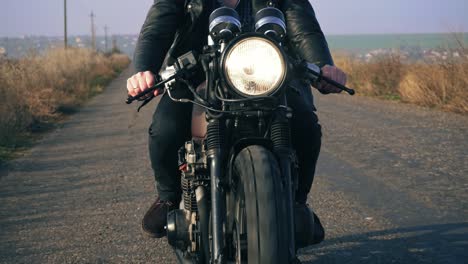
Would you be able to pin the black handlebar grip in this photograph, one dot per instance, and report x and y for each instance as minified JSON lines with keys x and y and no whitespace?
{"x":339,"y":85}
{"x":130,"y":99}
{"x":350,"y":91}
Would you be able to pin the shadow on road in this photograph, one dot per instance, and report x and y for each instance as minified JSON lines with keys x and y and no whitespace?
{"x":444,"y":243}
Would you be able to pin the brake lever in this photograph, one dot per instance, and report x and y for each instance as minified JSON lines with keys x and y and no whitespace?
{"x":146,"y":101}
{"x":139,"y":97}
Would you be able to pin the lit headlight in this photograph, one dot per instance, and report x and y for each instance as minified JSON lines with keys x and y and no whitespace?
{"x":254,"y":66}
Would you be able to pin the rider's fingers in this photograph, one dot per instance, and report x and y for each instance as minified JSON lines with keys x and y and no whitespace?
{"x":131,"y":90}
{"x":141,"y":81}
{"x":339,"y":76}
{"x":149,"y":78}
{"x":157,"y":92}
{"x":328,"y":87}
{"x":334,"y":74}
{"x":326,"y":70}
{"x":135,"y":84}
{"x":329,"y":72}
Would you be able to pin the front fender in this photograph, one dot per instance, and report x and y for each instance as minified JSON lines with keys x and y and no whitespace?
{"x":238,"y":146}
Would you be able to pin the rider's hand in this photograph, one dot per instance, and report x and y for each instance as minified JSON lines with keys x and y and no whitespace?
{"x":140,"y":82}
{"x":336,"y":75}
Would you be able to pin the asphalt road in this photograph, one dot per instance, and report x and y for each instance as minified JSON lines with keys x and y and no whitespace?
{"x":391,"y":187}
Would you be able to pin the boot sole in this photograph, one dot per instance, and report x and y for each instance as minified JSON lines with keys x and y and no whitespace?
{"x":151,"y":234}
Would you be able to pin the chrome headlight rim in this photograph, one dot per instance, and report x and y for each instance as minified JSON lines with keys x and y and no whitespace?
{"x":232,"y":44}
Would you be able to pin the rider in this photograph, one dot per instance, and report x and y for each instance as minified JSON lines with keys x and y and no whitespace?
{"x":172,"y":28}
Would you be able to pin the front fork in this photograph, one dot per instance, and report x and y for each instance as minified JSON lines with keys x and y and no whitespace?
{"x":281,"y":138}
{"x":216,"y":155}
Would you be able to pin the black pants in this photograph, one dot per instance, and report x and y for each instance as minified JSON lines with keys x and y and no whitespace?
{"x":171,"y":128}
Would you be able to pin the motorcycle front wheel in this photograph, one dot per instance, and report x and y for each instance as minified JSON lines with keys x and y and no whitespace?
{"x":259,"y":228}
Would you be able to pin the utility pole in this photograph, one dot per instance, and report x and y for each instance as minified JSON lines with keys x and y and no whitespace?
{"x":115,"y":49}
{"x":65,"y":34}
{"x":93,"y":31}
{"x":105,"y":33}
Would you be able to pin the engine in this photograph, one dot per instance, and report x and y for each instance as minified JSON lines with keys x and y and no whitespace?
{"x":183,"y":226}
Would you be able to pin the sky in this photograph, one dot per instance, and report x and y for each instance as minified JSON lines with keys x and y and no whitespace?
{"x":45,"y":17}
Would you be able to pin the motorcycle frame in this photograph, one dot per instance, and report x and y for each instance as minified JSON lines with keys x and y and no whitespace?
{"x":218,"y":158}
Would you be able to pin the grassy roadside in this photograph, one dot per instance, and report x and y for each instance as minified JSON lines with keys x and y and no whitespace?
{"x":437,"y":84}
{"x":38,"y":91}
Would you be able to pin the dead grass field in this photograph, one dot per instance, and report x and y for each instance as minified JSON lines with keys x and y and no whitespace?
{"x":441,"y":84}
{"x":39,"y":89}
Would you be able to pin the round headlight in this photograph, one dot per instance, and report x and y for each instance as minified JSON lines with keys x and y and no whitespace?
{"x":254,"y":66}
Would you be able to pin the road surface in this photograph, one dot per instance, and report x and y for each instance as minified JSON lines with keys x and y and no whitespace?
{"x":391,"y":187}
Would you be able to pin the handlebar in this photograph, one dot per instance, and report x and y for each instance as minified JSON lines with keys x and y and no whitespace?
{"x":334,"y":83}
{"x":339,"y":85}
{"x":312,"y":72}
{"x":155,"y":87}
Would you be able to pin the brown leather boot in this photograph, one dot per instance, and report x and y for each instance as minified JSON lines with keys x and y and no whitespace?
{"x":155,"y":219}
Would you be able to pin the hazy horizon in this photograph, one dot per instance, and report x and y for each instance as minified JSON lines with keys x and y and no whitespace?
{"x":45,"y":18}
{"x":332,"y":35}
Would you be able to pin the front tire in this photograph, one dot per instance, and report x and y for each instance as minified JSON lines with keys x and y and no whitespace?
{"x":260,"y":208}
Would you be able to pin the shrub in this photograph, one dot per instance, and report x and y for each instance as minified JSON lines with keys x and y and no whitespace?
{"x":442,"y":84}
{"x":379,"y":77}
{"x":36,"y":88}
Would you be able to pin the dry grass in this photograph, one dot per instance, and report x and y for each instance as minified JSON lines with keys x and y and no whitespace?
{"x":380,"y":77}
{"x":442,"y":84}
{"x":40,"y":88}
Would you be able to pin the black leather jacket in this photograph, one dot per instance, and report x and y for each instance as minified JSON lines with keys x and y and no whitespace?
{"x":173,"y":27}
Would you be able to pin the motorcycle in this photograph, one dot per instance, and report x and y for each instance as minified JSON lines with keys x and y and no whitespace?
{"x":239,"y":171}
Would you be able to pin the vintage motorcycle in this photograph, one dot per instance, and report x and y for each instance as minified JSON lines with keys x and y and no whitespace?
{"x":239,"y":171}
